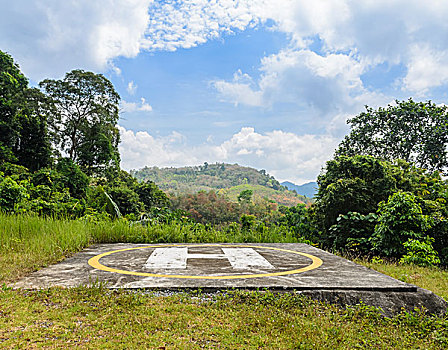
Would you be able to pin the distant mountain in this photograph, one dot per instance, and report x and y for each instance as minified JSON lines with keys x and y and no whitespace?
{"x":229,"y":179}
{"x":308,"y":190}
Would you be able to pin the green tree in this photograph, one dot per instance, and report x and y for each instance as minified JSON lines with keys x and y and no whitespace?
{"x":23,"y":125}
{"x":33,"y":147}
{"x":350,"y":189}
{"x":151,"y":196}
{"x":11,"y":194}
{"x":413,"y":131}
{"x":83,"y":122}
{"x":12,"y":83}
{"x":71,"y":177}
{"x":245,"y":196}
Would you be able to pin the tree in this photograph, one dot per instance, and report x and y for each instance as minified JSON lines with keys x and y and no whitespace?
{"x":151,"y":196}
{"x":33,"y":147}
{"x":245,"y":195}
{"x":413,"y":131}
{"x":23,"y":123}
{"x":83,"y":122}
{"x":12,"y":82}
{"x":350,"y":189}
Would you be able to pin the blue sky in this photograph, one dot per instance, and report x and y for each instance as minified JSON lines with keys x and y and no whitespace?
{"x":262,"y":83}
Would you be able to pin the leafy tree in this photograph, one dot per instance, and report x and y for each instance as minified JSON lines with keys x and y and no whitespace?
{"x":419,"y":252}
{"x":245,"y":196}
{"x":151,"y":196}
{"x":83,"y":120}
{"x":413,"y":131}
{"x":352,"y":184}
{"x":33,"y":148}
{"x":12,"y":82}
{"x":297,"y":219}
{"x":72,"y":177}
{"x":23,"y":123}
{"x":350,"y":189}
{"x":126,"y":199}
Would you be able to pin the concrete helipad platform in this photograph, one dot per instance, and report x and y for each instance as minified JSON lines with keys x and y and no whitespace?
{"x":298,"y":267}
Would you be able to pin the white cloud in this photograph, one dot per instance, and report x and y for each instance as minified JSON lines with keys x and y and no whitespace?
{"x":185,"y":24}
{"x":285,"y":155}
{"x":132,"y":88}
{"x":354,"y":36}
{"x":52,"y":37}
{"x":239,"y":90}
{"x":143,"y":106}
{"x":427,"y":68}
{"x":321,"y":86}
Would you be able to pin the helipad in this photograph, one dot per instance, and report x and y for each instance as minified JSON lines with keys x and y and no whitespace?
{"x":298,"y":267}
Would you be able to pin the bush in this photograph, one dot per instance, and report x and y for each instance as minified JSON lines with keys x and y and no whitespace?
{"x":352,"y":231}
{"x":11,"y":194}
{"x":420,"y":253}
{"x":400,"y":219}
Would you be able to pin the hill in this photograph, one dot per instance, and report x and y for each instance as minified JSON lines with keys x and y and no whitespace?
{"x":308,"y":190}
{"x":230,"y":179}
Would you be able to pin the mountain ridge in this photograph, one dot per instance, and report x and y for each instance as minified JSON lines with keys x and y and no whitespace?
{"x":308,"y":189}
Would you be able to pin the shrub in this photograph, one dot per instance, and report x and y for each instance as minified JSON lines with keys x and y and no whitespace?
{"x":11,"y":194}
{"x":420,"y":253}
{"x":400,"y":219}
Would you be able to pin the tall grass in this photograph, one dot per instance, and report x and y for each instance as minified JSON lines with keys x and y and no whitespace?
{"x":30,"y":242}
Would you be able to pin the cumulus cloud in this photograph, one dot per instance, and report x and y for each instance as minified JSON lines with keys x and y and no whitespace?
{"x":354,"y":37}
{"x":143,"y":106}
{"x":51,"y":37}
{"x":285,"y":155}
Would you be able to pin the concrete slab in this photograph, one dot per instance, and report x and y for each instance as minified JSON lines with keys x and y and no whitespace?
{"x":282,"y":266}
{"x":214,"y":267}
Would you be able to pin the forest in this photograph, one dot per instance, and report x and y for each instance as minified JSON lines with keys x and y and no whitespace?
{"x":383,"y":195}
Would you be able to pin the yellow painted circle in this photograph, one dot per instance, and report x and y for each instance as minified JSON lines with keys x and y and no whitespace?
{"x":95,"y":262}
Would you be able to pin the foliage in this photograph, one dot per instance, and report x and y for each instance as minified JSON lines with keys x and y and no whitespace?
{"x":72,"y":177}
{"x":298,"y":219}
{"x":83,"y":120}
{"x":420,"y":253}
{"x":247,"y":221}
{"x":352,"y":232}
{"x":413,"y":131}
{"x":207,"y":207}
{"x":352,"y":184}
{"x":12,"y":82}
{"x":23,"y":122}
{"x":350,"y":190}
{"x":11,"y":194}
{"x":400,"y":218}
{"x":245,"y":195}
{"x":151,"y":196}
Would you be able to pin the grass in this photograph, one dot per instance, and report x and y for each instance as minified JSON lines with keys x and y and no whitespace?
{"x":432,"y":278}
{"x":95,"y":317}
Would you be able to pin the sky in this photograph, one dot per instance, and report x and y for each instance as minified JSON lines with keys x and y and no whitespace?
{"x":262,"y":83}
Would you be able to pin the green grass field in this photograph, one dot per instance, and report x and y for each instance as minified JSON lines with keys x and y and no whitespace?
{"x":93,"y":317}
